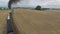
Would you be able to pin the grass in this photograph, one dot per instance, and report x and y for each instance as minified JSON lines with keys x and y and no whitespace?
{"x":3,"y":16}
{"x":28,"y":21}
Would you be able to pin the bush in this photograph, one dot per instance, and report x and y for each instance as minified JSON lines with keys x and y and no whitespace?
{"x":38,"y":8}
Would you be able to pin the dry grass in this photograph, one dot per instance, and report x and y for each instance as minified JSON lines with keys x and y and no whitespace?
{"x":3,"y":16}
{"x":36,"y":22}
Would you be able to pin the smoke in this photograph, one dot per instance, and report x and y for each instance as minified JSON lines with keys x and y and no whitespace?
{"x":11,"y":2}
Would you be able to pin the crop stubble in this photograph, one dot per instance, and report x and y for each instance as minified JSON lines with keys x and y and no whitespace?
{"x":3,"y":16}
{"x":36,"y":22}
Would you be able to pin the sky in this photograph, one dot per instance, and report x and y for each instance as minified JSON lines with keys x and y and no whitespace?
{"x":33,"y":3}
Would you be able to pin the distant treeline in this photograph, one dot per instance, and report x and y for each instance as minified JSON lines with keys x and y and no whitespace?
{"x":3,"y":8}
{"x":39,"y":8}
{"x":36,"y":8}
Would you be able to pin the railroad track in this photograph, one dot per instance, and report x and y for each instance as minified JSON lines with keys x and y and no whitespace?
{"x":9,"y":25}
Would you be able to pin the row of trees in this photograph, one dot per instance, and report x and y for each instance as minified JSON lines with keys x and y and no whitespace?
{"x":39,"y":8}
{"x":3,"y":8}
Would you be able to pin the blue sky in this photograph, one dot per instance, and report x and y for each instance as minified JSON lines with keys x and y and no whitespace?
{"x":33,"y":3}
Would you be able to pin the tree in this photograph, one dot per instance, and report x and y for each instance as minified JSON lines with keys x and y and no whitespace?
{"x":38,"y":7}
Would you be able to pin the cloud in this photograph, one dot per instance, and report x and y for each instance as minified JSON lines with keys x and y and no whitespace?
{"x":43,"y":3}
{"x":3,"y":3}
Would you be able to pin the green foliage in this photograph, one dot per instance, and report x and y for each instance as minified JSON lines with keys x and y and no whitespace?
{"x":4,"y":9}
{"x":38,"y":7}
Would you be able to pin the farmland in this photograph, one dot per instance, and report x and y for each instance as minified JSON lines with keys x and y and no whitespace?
{"x":3,"y":16}
{"x":28,"y":21}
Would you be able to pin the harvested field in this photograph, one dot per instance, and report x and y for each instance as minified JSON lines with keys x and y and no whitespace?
{"x":36,"y":22}
{"x":3,"y":16}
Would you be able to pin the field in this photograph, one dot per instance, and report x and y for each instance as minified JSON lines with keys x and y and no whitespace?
{"x":28,"y":21}
{"x":3,"y":16}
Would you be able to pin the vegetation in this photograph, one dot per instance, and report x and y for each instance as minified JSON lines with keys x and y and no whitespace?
{"x":45,"y":9}
{"x":38,"y":7}
{"x":4,"y":9}
{"x":36,"y":22}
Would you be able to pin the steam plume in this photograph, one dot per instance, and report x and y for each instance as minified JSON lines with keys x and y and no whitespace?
{"x":11,"y":2}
